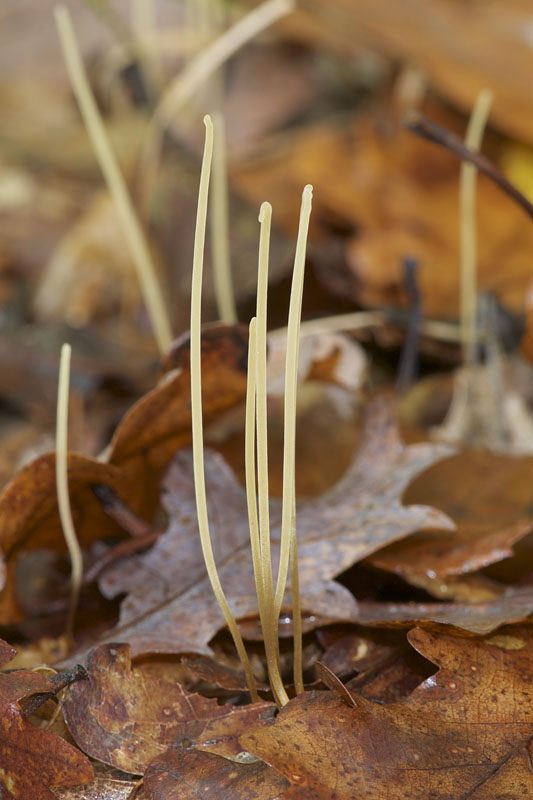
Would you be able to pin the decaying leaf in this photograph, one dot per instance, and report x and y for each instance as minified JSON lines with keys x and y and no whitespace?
{"x":399,"y":197}
{"x":489,"y":498}
{"x":125,"y":717}
{"x":29,"y":516}
{"x":514,"y":605}
{"x":447,"y":41}
{"x":31,"y":759}
{"x":141,"y":448}
{"x":103,"y":789}
{"x":170,"y":606}
{"x":464,"y":732}
{"x":177,"y":776}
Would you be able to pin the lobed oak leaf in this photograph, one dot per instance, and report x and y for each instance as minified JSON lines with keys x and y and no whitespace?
{"x":31,"y":759}
{"x":488,"y":496}
{"x":466,"y":731}
{"x":181,"y":776}
{"x":143,"y":445}
{"x":125,"y":717}
{"x":514,"y":605}
{"x":358,"y":516}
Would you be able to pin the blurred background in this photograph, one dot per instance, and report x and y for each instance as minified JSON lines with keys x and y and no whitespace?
{"x":311,"y":92}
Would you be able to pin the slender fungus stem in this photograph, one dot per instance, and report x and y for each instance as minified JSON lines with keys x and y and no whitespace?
{"x":474,"y":135}
{"x":63,"y":501}
{"x":196,"y":409}
{"x":291,"y":379}
{"x":265,"y":218}
{"x":268,"y":621}
{"x":249,"y":459}
{"x":265,"y":604}
{"x":220,"y":228}
{"x":186,"y":84}
{"x":296,"y":607}
{"x":116,"y":184}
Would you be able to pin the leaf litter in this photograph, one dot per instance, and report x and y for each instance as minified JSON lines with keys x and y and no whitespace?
{"x":435,"y":694}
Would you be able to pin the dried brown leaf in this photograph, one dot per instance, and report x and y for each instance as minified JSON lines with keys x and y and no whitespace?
{"x":452,"y":737}
{"x":32,"y":759}
{"x":180,"y":776}
{"x":359,"y":515}
{"x":125,"y":716}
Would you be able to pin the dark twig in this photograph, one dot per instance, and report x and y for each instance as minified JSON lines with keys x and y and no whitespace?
{"x":142,"y":533}
{"x":121,"y":550}
{"x":409,"y":357}
{"x":59,"y":682}
{"x":117,"y":509}
{"x":432,"y":132}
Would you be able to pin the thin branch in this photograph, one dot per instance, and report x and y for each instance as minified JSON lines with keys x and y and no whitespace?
{"x":432,"y":132}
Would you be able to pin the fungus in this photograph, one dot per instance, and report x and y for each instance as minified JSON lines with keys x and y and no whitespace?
{"x":269,"y":602}
{"x":467,"y":197}
{"x":116,"y":184}
{"x":63,"y":500}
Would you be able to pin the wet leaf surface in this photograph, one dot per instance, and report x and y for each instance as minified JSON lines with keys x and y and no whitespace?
{"x":360,"y":514}
{"x":178,"y":775}
{"x":32,"y":760}
{"x":125,"y":718}
{"x":488,"y":496}
{"x":450,"y":738}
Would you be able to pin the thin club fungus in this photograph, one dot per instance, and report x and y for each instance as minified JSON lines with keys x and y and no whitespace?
{"x":269,"y":602}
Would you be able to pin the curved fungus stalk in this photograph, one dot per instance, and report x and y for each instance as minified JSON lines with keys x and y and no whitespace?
{"x":269,"y":602}
{"x":63,"y":500}
{"x":196,"y":409}
{"x":467,"y":197}
{"x":133,"y":233}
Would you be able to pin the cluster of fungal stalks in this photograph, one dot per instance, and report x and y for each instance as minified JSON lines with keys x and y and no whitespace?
{"x":269,"y":600}
{"x":270,"y":597}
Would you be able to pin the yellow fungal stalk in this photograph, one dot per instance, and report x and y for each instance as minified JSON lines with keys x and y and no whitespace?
{"x":255,"y":435}
{"x":63,"y":500}
{"x":116,"y":184}
{"x":467,"y":193}
{"x":196,"y":409}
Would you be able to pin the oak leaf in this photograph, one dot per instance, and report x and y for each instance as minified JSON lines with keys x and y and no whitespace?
{"x":125,"y":717}
{"x":170,"y":606}
{"x":466,"y":731}
{"x":31,"y":759}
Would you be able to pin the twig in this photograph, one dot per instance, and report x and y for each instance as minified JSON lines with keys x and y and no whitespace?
{"x":432,"y":132}
{"x":408,"y":358}
{"x":60,"y":681}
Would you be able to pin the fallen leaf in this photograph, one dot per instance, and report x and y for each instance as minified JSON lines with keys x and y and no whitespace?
{"x":395,"y":196}
{"x":29,"y":516}
{"x":176,"y":775}
{"x":143,"y":444}
{"x":450,"y":738}
{"x":219,"y":674}
{"x":102,"y":789}
{"x":448,"y":42}
{"x":124,"y":716}
{"x":32,"y":759}
{"x":489,"y":498}
{"x":515,"y":605}
{"x":360,"y":514}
